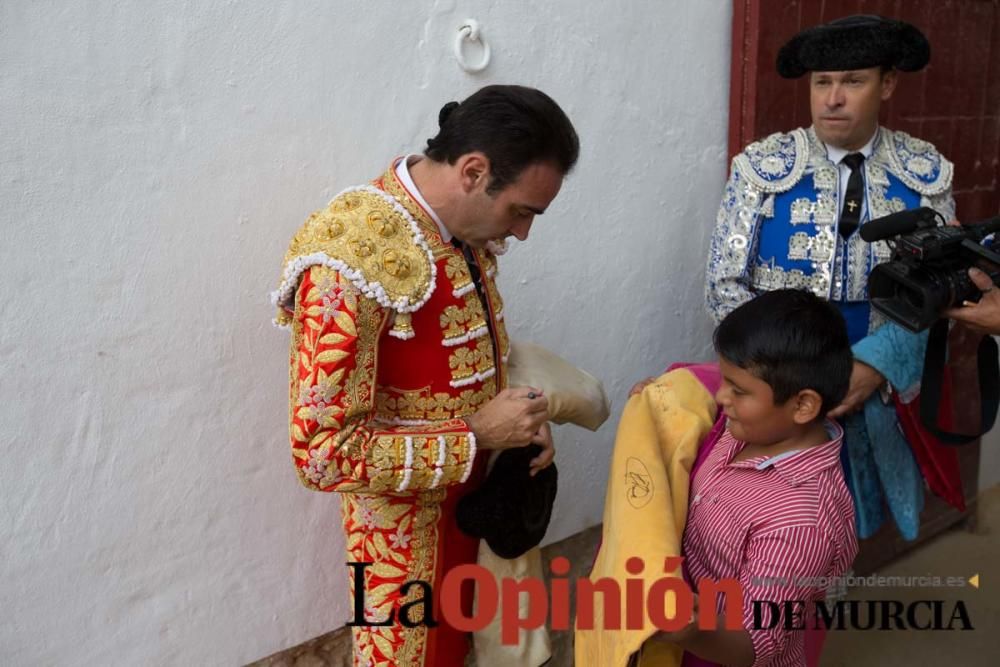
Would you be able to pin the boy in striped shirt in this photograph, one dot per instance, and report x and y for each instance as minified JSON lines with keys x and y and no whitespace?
{"x":768,"y":505}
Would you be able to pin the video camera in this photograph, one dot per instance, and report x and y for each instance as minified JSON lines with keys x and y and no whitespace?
{"x":928,"y":272}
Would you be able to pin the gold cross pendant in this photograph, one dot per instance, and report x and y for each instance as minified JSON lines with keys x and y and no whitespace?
{"x":852,"y":205}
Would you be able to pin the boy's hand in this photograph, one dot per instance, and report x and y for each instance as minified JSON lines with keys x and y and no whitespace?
{"x":685,"y":634}
{"x":639,"y":386}
{"x":726,"y":647}
{"x":864,"y":381}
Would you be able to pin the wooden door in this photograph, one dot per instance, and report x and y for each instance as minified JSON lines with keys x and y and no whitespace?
{"x":954,"y":102}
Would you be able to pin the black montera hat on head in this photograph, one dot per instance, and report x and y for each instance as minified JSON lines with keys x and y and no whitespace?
{"x":854,"y":42}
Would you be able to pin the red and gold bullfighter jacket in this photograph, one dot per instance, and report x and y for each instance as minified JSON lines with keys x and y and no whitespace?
{"x":391,"y":347}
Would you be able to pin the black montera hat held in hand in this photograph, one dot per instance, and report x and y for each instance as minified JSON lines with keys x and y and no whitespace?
{"x":854,"y":42}
{"x":511,"y":510}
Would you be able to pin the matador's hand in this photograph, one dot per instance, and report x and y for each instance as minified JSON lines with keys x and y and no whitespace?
{"x":543,"y":460}
{"x":511,"y":419}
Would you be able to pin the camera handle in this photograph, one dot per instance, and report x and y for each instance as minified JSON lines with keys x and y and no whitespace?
{"x":987,"y":360}
{"x":980,"y":230}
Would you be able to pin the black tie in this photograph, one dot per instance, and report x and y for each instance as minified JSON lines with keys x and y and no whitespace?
{"x":470,"y":260}
{"x":477,"y":278}
{"x":855,"y":195}
{"x":477,"y":281}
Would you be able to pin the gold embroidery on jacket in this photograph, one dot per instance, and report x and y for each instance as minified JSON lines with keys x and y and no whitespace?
{"x":462,"y":363}
{"x":365,"y":235}
{"x":428,"y":227}
{"x":460,"y":323}
{"x":495,"y":300}
{"x":484,"y":356}
{"x":457,"y":272}
{"x":393,"y":404}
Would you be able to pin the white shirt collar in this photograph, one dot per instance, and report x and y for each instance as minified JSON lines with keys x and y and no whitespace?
{"x":837,"y":154}
{"x":403,"y":174}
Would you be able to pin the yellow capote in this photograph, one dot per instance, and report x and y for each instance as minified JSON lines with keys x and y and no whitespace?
{"x":645,"y":508}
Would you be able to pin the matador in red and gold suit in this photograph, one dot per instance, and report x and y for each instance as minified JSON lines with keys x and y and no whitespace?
{"x":391,"y":347}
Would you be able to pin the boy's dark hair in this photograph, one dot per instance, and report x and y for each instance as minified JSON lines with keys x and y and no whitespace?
{"x":792,"y":340}
{"x":514,"y":126}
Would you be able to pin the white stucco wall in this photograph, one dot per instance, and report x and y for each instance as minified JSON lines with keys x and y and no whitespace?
{"x":156,"y":156}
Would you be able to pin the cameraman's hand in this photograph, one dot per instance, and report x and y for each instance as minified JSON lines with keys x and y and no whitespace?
{"x":510,"y":419}
{"x":984,"y":316}
{"x":864,"y":381}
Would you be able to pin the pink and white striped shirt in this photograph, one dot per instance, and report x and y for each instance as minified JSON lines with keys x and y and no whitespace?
{"x":770,"y":522}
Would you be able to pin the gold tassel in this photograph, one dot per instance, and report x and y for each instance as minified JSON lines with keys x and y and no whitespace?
{"x":402,"y":326}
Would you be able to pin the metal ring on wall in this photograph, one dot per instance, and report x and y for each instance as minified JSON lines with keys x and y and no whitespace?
{"x":470,"y":30}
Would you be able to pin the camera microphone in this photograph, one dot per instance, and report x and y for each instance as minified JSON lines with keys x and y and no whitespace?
{"x":895,"y":224}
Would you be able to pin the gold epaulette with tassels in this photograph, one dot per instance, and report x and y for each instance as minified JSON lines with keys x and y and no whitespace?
{"x":373,"y":241}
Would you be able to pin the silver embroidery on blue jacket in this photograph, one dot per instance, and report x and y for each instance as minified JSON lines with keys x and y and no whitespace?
{"x":777,"y":225}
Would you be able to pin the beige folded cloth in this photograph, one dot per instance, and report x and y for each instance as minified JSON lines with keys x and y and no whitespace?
{"x":533,"y":647}
{"x":575,"y":396}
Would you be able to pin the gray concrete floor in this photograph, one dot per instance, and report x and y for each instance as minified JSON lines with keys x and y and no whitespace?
{"x":957,"y":553}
